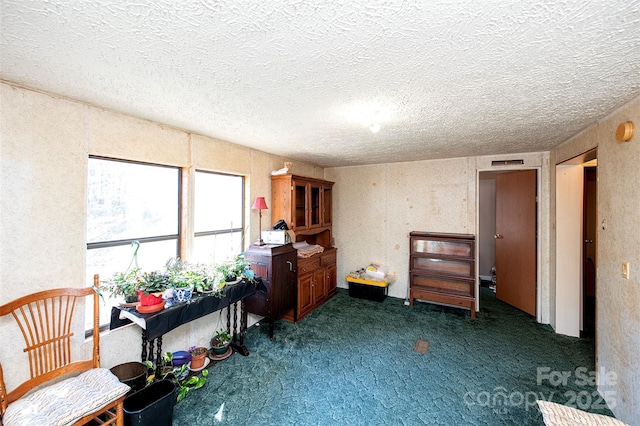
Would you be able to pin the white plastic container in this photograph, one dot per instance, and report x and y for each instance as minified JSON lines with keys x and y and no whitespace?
{"x":376,"y":271}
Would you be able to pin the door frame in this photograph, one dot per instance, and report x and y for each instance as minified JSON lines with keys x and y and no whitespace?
{"x":508,"y":169}
{"x":570,"y":322}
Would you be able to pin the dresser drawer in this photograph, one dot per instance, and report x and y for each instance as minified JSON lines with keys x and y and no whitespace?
{"x":328,"y":259}
{"x":308,"y":265}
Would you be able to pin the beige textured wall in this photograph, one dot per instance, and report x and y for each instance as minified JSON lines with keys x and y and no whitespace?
{"x":44,"y":145}
{"x":376,"y":207}
{"x":43,"y":162}
{"x":618,"y":299}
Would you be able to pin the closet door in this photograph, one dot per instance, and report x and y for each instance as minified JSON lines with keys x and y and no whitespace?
{"x":516,"y":213}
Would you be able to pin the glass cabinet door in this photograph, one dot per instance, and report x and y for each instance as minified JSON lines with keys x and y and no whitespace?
{"x":443,"y":266}
{"x":300,"y":206}
{"x":315,"y":212}
{"x":326,"y":206}
{"x":443,"y":247}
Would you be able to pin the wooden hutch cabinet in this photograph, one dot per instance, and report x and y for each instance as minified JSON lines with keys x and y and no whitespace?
{"x":305,"y":204}
{"x":442,"y":269}
{"x":276,"y":265}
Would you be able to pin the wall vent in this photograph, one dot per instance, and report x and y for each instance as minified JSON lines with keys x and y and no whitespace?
{"x":506,"y":162}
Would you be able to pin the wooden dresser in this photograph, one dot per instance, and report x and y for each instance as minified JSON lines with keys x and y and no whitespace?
{"x":442,"y":269}
{"x":276,"y":265}
{"x":305,"y":204}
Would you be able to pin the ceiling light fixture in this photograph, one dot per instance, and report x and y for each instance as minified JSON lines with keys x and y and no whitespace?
{"x":370,"y":114}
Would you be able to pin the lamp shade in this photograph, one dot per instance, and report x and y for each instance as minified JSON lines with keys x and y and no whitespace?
{"x":259,"y":204}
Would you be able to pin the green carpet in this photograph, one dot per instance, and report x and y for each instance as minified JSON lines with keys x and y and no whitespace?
{"x":352,"y":362}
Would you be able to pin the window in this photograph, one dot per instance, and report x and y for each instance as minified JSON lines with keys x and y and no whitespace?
{"x":128,"y":202}
{"x":218,"y":217}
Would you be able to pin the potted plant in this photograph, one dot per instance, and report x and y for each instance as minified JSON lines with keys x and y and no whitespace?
{"x":233,"y":269}
{"x":184,"y":278}
{"x":150,"y":288}
{"x":123,"y":284}
{"x":213,"y":282}
{"x":198,"y":357}
{"x":179,"y":375}
{"x":220,"y":342}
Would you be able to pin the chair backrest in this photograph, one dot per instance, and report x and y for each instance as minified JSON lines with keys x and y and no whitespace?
{"x":45,"y":320}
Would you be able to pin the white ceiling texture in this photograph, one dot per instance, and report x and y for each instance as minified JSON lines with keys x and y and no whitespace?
{"x":314,"y":79}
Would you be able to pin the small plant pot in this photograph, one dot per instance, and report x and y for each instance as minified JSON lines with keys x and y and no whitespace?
{"x":220,"y":349}
{"x":131,"y":298}
{"x":149,"y":299}
{"x":197,"y":361}
{"x":181,"y":357}
{"x":183,"y":294}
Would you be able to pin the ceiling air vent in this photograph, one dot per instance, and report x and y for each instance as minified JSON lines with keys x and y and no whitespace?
{"x":506,"y":162}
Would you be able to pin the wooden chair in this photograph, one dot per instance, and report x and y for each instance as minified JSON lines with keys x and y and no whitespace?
{"x":45,"y":319}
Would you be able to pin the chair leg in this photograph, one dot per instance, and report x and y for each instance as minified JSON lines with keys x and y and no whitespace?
{"x":120,"y":414}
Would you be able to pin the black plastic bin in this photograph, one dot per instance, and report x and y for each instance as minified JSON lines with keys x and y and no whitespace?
{"x":132,"y":373}
{"x":368,"y":292}
{"x":151,"y":406}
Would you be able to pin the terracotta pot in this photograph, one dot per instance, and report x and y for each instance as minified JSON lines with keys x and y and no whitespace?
{"x":149,"y":299}
{"x":197,"y":361}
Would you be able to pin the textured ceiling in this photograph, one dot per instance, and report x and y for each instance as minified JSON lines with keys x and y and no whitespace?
{"x":300,"y":78}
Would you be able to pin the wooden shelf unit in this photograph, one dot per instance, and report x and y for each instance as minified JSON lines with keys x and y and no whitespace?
{"x":442,"y":269}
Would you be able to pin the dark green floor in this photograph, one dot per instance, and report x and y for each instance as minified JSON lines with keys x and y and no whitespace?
{"x":352,"y":362}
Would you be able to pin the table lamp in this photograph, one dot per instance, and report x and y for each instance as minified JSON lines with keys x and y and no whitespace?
{"x":259,"y":205}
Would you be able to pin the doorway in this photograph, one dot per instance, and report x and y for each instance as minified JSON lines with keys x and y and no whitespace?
{"x":507,"y":235}
{"x":589,"y":253}
{"x":576,"y":245}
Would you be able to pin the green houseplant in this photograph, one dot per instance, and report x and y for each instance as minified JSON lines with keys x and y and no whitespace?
{"x":153,"y":282}
{"x":220,"y":342}
{"x":181,"y":274}
{"x":234,"y":268}
{"x":150,"y":287}
{"x":179,"y":375}
{"x":197,"y":277}
{"x":213,"y":281}
{"x":184,"y":278}
{"x":123,"y":284}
